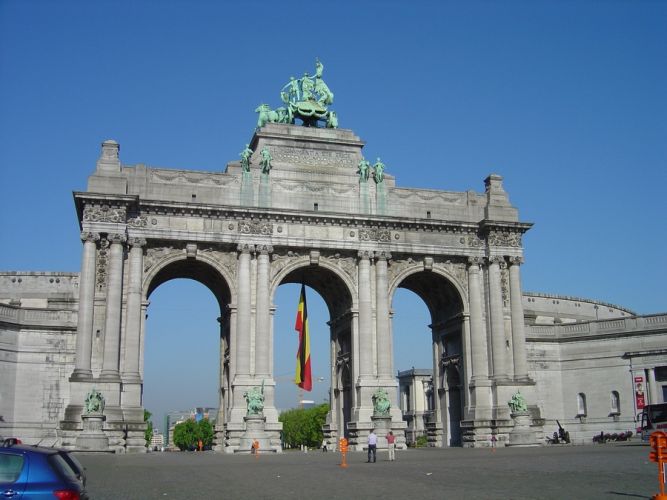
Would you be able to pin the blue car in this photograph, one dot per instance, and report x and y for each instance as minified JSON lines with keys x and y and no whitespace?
{"x":35,"y":472}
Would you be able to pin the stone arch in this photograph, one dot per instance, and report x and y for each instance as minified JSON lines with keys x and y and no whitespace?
{"x":178,"y":265}
{"x":338,"y":292}
{"x":211,"y":273}
{"x":416,"y":268}
{"x":446,"y":299}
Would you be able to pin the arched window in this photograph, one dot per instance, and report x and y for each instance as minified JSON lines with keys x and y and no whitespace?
{"x":615,"y":403}
{"x":581,"y":404}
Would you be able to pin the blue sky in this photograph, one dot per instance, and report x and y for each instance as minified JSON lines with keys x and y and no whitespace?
{"x":565,"y":99}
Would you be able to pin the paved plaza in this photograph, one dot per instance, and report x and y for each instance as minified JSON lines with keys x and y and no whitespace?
{"x":620,"y":471}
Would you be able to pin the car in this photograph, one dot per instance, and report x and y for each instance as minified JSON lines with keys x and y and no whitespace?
{"x":38,"y":472}
{"x":9,"y":442}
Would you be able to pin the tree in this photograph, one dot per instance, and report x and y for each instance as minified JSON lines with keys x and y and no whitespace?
{"x":204,"y":431}
{"x":148,"y":434}
{"x":188,"y":434}
{"x":304,"y":426}
{"x":184,"y":435}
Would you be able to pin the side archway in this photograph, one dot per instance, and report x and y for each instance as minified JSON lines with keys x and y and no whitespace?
{"x":210,"y":273}
{"x":444,"y":395}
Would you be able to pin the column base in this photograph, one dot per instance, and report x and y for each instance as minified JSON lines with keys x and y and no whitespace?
{"x":109,"y":376}
{"x":81,"y":375}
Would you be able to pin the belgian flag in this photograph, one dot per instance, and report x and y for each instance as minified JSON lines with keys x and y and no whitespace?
{"x":303,"y":377}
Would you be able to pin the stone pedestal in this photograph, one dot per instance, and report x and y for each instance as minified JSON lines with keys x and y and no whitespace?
{"x":381,"y":426}
{"x":93,"y":437}
{"x":522,"y":434}
{"x":255,"y":429}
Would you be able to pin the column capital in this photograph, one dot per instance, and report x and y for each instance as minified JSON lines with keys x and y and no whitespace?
{"x":475,"y":262}
{"x":264,"y":249}
{"x":382,"y":255}
{"x":365,"y":254}
{"x":516,"y":261}
{"x":89,"y":236}
{"x":496,"y":259}
{"x":136,"y":242}
{"x":116,"y":238}
{"x":245,"y":248}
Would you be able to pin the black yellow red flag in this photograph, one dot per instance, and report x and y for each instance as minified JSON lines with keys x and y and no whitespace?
{"x":303,"y":377}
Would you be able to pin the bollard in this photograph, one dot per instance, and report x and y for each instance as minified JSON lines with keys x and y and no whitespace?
{"x":342,"y":445}
{"x":658,"y":441}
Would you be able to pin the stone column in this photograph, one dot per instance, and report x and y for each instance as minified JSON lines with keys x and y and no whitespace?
{"x":113,"y":310}
{"x":518,"y":332}
{"x":263,"y":314}
{"x":243,"y":315}
{"x":84,"y":330}
{"x":653,"y":397}
{"x":365,"y":316}
{"x":478,"y":347}
{"x":134,"y":311}
{"x":383,"y":336}
{"x":497,"y":321}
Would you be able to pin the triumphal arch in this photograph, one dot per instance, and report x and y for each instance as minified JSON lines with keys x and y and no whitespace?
{"x":302,"y":205}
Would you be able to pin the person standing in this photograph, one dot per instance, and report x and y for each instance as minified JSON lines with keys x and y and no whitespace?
{"x":372,"y":446}
{"x":391,"y":445}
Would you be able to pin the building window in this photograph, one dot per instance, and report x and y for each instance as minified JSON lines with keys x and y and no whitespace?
{"x":581,"y":404}
{"x":615,"y":403}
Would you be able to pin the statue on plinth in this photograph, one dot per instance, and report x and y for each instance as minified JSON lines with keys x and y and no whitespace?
{"x":245,"y":158}
{"x":378,"y":173}
{"x":381,"y":403}
{"x":364,"y":170}
{"x":255,"y":400}
{"x":94,"y":402}
{"x":305,"y":98}
{"x":266,"y":160}
{"x":517,"y":404}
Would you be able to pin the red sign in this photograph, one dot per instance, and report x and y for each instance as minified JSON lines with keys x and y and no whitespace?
{"x":640,"y":398}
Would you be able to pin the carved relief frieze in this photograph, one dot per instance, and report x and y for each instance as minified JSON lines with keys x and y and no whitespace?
{"x":374,"y":234}
{"x":459,"y":271}
{"x":398,"y":265}
{"x":281,"y":258}
{"x":138,"y":221}
{"x":255,"y":227}
{"x":311,"y":187}
{"x":187,"y":177}
{"x":472,"y":241}
{"x":313,"y":157}
{"x":156,"y":254}
{"x":347,"y":264}
{"x":505,"y":283}
{"x":102,"y":263}
{"x":104,"y":213}
{"x":504,"y":239}
{"x":424,"y":195}
{"x":225,"y":259}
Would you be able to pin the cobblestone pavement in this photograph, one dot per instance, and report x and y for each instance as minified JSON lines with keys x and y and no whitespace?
{"x":617,"y":471}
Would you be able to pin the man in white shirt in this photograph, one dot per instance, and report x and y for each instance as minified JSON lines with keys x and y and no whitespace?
{"x":372,"y":446}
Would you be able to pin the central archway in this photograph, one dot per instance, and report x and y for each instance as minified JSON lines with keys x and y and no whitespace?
{"x":334,"y":288}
